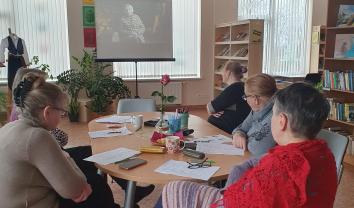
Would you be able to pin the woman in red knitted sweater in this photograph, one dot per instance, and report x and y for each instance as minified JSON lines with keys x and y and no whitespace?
{"x":299,"y":172}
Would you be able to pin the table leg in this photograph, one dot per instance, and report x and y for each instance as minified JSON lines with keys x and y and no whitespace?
{"x":130,"y":194}
{"x":104,"y":175}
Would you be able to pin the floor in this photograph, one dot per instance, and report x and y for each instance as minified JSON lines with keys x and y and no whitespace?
{"x":344,"y":197}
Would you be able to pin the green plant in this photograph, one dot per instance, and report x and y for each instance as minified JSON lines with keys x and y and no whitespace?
{"x":164,"y":99}
{"x":44,"y":67}
{"x":100,"y":87}
{"x":73,"y":82}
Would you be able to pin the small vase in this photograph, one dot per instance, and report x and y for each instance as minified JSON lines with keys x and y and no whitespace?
{"x":162,"y":125}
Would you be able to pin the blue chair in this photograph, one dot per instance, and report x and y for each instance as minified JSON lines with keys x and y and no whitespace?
{"x":337,"y":144}
{"x":136,"y":105}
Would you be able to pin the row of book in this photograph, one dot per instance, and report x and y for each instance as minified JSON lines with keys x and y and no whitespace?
{"x":226,"y":37}
{"x":225,"y":51}
{"x":218,"y":69}
{"x":220,"y":84}
{"x":243,"y":52}
{"x":341,"y":111}
{"x":338,"y":80}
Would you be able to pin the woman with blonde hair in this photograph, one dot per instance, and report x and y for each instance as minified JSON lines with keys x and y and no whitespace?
{"x":254,"y":133}
{"x":34,"y":169}
{"x":228,"y":110}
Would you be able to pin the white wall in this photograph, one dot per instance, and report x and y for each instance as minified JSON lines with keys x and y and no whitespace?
{"x":319,"y":16}
{"x":225,"y":11}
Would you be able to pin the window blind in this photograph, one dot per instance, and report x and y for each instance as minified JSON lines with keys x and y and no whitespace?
{"x":43,"y":26}
{"x":287,"y":31}
{"x":186,"y":47}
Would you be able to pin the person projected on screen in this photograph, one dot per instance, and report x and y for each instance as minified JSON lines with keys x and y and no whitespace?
{"x":131,"y":26}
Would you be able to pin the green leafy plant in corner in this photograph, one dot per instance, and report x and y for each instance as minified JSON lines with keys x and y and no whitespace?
{"x":73,"y":82}
{"x":102,"y":88}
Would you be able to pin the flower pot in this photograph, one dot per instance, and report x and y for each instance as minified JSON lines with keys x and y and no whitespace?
{"x":74,"y":118}
{"x":97,"y":115}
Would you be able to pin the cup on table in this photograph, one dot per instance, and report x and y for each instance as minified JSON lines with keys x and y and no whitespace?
{"x":173,"y":144}
{"x":184,"y":120}
{"x":174,"y":125}
{"x":137,"y":120}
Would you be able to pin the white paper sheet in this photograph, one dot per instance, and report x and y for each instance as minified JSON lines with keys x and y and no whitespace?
{"x":180,"y":168}
{"x":112,"y":156}
{"x":212,"y":139}
{"x":115,"y":119}
{"x":223,"y":149}
{"x":109,"y":133}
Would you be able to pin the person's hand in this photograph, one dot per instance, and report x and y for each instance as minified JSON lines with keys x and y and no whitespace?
{"x":207,"y":107}
{"x":239,"y":141}
{"x":218,"y":114}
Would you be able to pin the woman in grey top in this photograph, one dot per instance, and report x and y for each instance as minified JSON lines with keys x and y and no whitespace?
{"x":254,"y":132}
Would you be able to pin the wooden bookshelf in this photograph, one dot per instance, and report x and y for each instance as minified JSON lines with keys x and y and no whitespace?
{"x":253,"y":60}
{"x":316,"y":49}
{"x":338,"y":64}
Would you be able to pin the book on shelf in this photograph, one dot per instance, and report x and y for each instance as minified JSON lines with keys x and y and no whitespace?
{"x":322,"y":36}
{"x":220,"y":67}
{"x":243,"y":52}
{"x":223,"y":38}
{"x":344,"y":46}
{"x":218,"y":82}
{"x":345,"y":15}
{"x":320,"y":64}
{"x":322,"y":49}
{"x":223,"y":85}
{"x":241,"y":36}
{"x":349,"y":112}
{"x":224,"y":50}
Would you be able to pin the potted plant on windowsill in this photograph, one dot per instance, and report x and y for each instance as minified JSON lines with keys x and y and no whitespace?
{"x":102,"y":88}
{"x":73,"y":82}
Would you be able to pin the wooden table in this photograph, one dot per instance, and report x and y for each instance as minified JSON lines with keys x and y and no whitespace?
{"x":145,"y":173}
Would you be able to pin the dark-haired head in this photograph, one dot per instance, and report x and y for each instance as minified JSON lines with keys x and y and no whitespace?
{"x":305,"y":108}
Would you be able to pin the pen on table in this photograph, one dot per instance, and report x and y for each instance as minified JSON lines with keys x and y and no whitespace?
{"x":193,"y":160}
{"x":120,"y":161}
{"x":113,"y":132}
{"x":202,"y":141}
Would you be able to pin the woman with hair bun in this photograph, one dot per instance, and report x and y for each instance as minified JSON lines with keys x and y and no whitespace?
{"x":34,"y":169}
{"x":228,"y":110}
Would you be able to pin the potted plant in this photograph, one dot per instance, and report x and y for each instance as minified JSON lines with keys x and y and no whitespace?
{"x":72,"y":80}
{"x":101,"y":88}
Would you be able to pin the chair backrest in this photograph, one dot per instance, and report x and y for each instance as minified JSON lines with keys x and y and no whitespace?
{"x":136,"y":105}
{"x":337,"y":144}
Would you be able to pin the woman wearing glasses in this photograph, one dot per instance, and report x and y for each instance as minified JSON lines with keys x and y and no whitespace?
{"x":34,"y":169}
{"x":299,"y":172}
{"x":228,"y":110}
{"x":254,"y":132}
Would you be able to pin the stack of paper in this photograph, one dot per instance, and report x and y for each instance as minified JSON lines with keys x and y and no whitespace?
{"x":115,"y":119}
{"x":112,"y":156}
{"x":180,"y":168}
{"x":212,"y":139}
{"x":223,"y":149}
{"x":109,"y":133}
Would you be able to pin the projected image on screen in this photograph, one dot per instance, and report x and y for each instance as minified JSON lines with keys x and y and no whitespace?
{"x":133,"y":29}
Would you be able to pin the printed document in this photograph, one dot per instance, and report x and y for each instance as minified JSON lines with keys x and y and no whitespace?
{"x":112,"y":156}
{"x":115,"y":119}
{"x":109,"y":133}
{"x":180,"y":168}
{"x":212,"y":139}
{"x":223,"y":149}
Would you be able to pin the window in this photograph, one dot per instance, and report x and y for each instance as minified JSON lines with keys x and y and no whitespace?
{"x":186,"y":47}
{"x":287,"y":30}
{"x":43,"y":26}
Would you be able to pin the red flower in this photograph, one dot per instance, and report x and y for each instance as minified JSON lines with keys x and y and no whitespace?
{"x":165,"y":80}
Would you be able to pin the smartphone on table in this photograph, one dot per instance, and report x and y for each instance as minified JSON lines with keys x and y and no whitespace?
{"x":132,"y":163}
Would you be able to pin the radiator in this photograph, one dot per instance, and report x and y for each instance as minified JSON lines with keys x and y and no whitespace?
{"x":173,"y":88}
